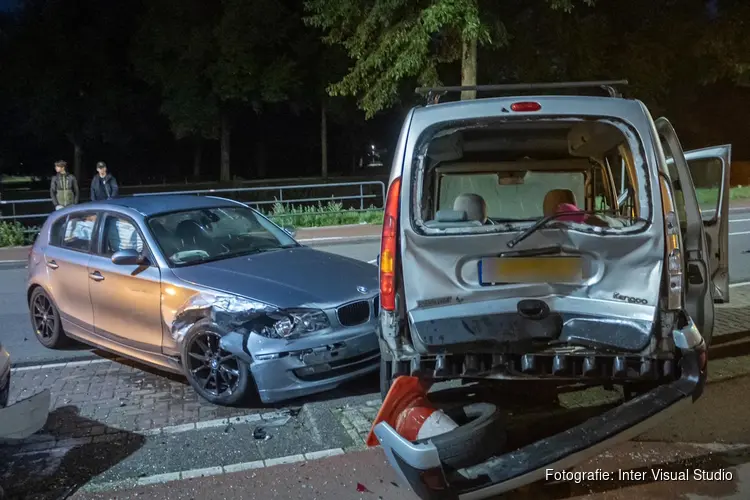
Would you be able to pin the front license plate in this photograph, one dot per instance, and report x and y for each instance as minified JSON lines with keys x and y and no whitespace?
{"x":530,"y":270}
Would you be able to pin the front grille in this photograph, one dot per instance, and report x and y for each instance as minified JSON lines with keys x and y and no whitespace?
{"x":354,"y":314}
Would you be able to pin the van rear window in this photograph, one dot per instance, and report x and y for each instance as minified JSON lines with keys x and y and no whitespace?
{"x":511,"y":199}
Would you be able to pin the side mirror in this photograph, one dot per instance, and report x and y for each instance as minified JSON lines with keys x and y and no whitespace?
{"x":128,"y":258}
{"x":290,"y":231}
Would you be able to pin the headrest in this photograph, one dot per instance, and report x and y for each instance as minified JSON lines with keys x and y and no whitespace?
{"x":555,"y":197}
{"x":474,"y":206}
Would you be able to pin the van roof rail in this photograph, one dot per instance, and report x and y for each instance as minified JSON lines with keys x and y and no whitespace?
{"x":433,"y":94}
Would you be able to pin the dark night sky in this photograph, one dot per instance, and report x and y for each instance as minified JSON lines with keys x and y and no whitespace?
{"x":7,"y":5}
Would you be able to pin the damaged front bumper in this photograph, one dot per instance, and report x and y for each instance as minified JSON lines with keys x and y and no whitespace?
{"x":420,"y":466}
{"x":23,"y":418}
{"x":284,"y":369}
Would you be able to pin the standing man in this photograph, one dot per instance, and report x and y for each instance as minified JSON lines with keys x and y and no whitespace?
{"x":64,"y":187}
{"x":104,"y":186}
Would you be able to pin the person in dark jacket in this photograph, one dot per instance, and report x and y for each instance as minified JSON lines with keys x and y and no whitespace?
{"x":64,"y":187}
{"x":104,"y":186}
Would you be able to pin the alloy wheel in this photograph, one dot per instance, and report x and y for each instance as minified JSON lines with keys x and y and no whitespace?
{"x":45,"y":322}
{"x":216,"y":371}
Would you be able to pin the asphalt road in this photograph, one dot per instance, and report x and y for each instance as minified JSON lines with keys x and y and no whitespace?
{"x":17,"y":336}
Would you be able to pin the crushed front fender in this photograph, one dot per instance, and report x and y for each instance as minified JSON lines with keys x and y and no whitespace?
{"x":420,"y":466}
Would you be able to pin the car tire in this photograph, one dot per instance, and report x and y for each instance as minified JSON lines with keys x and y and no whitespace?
{"x":481,"y":434}
{"x":385,"y":377}
{"x":213,"y":381}
{"x":45,"y":320}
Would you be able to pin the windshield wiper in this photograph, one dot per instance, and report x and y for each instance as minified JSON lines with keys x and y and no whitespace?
{"x":544,"y":220}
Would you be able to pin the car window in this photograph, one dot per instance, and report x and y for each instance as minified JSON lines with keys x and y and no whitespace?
{"x":210,"y":234}
{"x":57,"y":232}
{"x":520,"y":198}
{"x":708,"y":176}
{"x":120,"y":234}
{"x":78,"y":232}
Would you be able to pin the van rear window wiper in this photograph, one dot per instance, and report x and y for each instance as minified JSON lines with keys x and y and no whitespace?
{"x":544,"y":220}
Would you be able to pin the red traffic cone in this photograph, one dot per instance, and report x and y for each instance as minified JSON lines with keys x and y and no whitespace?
{"x":407,"y":409}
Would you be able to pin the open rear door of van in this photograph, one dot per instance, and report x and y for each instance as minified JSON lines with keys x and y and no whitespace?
{"x":710,"y":169}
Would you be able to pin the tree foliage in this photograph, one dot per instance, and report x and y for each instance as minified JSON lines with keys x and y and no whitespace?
{"x":391,"y":41}
{"x":212,"y":58}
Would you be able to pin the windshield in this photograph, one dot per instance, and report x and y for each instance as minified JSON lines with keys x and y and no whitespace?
{"x":210,"y":234}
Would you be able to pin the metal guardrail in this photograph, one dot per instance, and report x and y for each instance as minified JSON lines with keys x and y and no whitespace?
{"x":361,"y":196}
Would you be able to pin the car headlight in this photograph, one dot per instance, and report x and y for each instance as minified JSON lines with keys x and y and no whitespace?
{"x":295,"y":322}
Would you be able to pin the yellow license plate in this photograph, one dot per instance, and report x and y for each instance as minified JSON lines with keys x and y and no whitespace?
{"x":530,"y":270}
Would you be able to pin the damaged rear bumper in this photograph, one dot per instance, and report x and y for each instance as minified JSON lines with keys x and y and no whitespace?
{"x":419,"y":465}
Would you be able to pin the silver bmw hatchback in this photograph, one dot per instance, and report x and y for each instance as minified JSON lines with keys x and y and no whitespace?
{"x":206,"y":287}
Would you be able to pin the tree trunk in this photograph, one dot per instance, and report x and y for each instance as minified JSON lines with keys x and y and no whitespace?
{"x":226,"y":134}
{"x":77,"y":160}
{"x":469,"y":68}
{"x":323,"y":142}
{"x":197,"y":157}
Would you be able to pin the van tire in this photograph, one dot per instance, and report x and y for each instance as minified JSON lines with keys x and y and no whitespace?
{"x":481,"y":434}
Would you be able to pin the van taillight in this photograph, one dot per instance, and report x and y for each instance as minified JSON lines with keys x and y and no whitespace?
{"x":388,"y":247}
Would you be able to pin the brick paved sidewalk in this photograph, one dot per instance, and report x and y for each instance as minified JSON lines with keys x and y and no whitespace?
{"x":94,"y":398}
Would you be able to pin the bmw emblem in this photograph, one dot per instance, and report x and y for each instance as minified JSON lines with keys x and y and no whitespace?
{"x":362,"y":290}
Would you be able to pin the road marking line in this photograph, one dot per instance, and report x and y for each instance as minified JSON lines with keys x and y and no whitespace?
{"x":739,"y":220}
{"x":739,"y":233}
{"x":210,"y":471}
{"x":373,"y":261}
{"x":12,"y":261}
{"x":742,"y":283}
{"x":174,"y":429}
{"x":71,"y":364}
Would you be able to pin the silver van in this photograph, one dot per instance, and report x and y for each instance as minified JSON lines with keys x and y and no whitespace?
{"x":562,"y":238}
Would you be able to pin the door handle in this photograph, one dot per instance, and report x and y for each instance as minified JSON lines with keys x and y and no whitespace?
{"x":52,"y":264}
{"x":96,"y":276}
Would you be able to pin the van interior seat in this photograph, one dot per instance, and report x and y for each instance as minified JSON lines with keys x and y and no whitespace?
{"x":474,"y":206}
{"x":447,"y":218}
{"x":555,"y":197}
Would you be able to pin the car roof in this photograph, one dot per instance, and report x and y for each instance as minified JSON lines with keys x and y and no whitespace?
{"x":163,"y":203}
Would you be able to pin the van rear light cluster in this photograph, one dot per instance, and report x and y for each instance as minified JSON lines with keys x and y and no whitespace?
{"x":388,"y":247}
{"x":675,"y":264}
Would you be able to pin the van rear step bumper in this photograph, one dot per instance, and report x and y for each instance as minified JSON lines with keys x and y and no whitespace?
{"x":589,"y":366}
{"x":419,"y":465}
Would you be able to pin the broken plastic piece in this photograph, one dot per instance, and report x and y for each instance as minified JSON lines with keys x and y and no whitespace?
{"x":25,"y":417}
{"x":361,"y":488}
{"x":261,"y":434}
{"x":407,"y":409}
